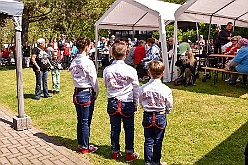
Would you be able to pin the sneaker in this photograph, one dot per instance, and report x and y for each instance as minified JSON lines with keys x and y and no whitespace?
{"x":238,"y":80}
{"x":130,"y":157}
{"x":79,"y":150}
{"x":116,"y":155}
{"x":48,"y":96}
{"x":91,"y":149}
{"x":37,"y":98}
{"x":146,"y":77}
{"x":227,"y":80}
{"x":163,"y":163}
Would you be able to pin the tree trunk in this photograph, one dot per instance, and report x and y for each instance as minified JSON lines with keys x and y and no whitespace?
{"x":25,"y":25}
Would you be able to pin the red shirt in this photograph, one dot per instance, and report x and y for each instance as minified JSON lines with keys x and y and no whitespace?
{"x":5,"y":53}
{"x":66,"y":51}
{"x":231,"y":50}
{"x":139,"y":54}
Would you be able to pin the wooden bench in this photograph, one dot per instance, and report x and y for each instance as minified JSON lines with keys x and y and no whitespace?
{"x":217,"y":70}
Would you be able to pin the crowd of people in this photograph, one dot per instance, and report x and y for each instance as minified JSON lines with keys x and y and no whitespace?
{"x":125,"y":63}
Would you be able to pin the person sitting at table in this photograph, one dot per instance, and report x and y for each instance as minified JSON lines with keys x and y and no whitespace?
{"x":187,"y":64}
{"x":232,"y":50}
{"x":240,"y":62}
{"x":224,"y":47}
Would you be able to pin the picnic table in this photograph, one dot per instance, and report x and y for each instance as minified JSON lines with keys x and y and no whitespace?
{"x":215,"y":72}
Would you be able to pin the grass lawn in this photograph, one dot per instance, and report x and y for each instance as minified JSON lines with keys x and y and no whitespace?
{"x":207,"y":126}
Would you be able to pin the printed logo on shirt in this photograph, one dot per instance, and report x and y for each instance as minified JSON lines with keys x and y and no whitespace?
{"x":117,"y":81}
{"x":153,"y":99}
{"x":75,"y":70}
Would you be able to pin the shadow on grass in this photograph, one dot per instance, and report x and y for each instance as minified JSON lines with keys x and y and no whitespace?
{"x":4,"y":68}
{"x":230,"y":151}
{"x":103,"y":150}
{"x":27,"y":96}
{"x":221,"y":88}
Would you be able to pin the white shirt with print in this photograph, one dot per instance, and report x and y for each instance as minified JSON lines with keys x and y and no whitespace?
{"x":155,"y":96}
{"x":83,"y":73}
{"x":121,"y":81}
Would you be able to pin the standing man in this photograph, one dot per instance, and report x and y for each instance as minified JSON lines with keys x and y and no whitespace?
{"x":41,"y":64}
{"x":26,"y":54}
{"x":226,"y":34}
{"x":61,"y":45}
{"x":216,"y":40}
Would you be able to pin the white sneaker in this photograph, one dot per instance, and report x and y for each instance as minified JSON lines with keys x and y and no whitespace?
{"x":227,"y":80}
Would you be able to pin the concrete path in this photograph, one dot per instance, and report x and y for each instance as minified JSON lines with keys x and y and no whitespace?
{"x":31,"y":146}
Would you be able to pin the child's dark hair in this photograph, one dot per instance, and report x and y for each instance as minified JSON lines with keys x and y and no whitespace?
{"x":82,"y":42}
{"x":156,"y":68}
{"x":119,"y":50}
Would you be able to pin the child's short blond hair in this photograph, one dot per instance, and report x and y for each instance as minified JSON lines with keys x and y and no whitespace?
{"x":119,"y":50}
{"x":156,"y":69}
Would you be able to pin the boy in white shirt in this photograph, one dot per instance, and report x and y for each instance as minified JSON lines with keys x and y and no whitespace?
{"x":122,"y":85}
{"x":156,"y":100}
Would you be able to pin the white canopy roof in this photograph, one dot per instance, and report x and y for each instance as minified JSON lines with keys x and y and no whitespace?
{"x":222,"y":11}
{"x":11,"y":7}
{"x":137,"y":15}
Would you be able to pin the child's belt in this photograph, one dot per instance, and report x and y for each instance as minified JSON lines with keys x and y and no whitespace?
{"x":153,"y":124}
{"x":119,"y":110}
{"x":75,"y":98}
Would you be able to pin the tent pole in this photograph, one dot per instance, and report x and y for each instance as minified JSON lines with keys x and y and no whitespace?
{"x":197,"y":33}
{"x":133,"y":33}
{"x":164,"y":49}
{"x":209,"y":29}
{"x":18,"y":49}
{"x":174,"y":57}
{"x":96,"y":47}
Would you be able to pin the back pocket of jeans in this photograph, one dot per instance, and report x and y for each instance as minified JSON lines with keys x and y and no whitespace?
{"x":147,"y":120}
{"x":161,"y":121}
{"x":83,"y":100}
{"x":112,"y":106}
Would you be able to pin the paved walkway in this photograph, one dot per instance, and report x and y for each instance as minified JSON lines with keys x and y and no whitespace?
{"x":31,"y":146}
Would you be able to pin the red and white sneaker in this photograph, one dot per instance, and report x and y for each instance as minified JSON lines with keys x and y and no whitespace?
{"x":91,"y":149}
{"x":116,"y":155}
{"x":130,"y":157}
{"x":79,"y":150}
{"x":163,"y":163}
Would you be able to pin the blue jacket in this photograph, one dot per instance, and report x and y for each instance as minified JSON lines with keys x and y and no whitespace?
{"x":242,"y":59}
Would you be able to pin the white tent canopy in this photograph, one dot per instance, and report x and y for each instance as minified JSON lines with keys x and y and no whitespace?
{"x":11,"y":7}
{"x":139,"y":15}
{"x":212,"y":12}
{"x":221,"y":11}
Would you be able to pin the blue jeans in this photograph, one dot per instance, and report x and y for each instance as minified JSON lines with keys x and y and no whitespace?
{"x":41,"y":77}
{"x":128,"y":122}
{"x":84,"y":115}
{"x":153,"y":136}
